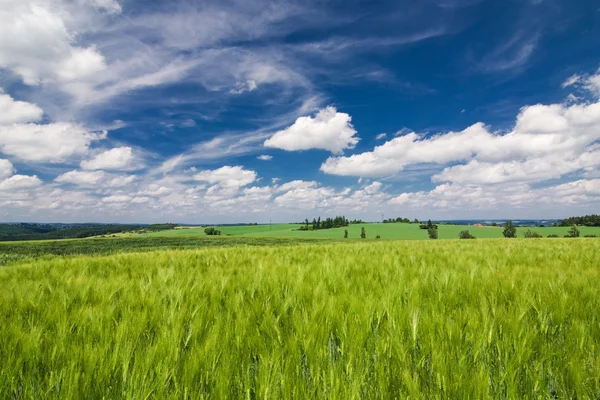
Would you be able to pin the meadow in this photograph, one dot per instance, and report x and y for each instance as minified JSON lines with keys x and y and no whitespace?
{"x":333,"y":320}
{"x":385,"y":231}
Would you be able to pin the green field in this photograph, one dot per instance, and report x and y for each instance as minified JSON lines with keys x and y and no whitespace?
{"x":386,"y":231}
{"x":345,"y":320}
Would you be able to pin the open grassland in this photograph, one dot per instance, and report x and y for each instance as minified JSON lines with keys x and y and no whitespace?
{"x":388,"y":319}
{"x":386,"y":231}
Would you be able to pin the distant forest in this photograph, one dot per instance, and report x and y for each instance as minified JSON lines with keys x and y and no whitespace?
{"x":586,"y":220}
{"x":31,"y":231}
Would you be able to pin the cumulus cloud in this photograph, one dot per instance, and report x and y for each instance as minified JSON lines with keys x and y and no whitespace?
{"x":120,"y":181}
{"x":54,"y":143}
{"x":17,"y":182}
{"x":546,"y":142}
{"x":265,"y":157}
{"x":228,"y":177}
{"x":36,"y":45}
{"x":328,"y":130}
{"x":116,"y":199}
{"x":6,"y":168}
{"x":119,"y":158}
{"x":454,"y":196}
{"x":81,"y":178}
{"x":13,"y":112}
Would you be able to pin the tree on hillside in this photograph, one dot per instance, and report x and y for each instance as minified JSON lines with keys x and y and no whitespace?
{"x":510,"y":231}
{"x":363,"y":233}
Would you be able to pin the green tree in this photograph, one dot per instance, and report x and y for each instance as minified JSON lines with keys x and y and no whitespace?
{"x":466,"y":235}
{"x":432,"y":232}
{"x":363,"y":233}
{"x":510,"y":231}
{"x":345,"y":233}
{"x":210,"y":231}
{"x":573,"y":232}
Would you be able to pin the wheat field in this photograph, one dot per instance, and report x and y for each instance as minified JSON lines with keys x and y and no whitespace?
{"x":379,"y":320}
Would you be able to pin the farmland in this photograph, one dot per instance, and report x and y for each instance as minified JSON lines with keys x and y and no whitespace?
{"x":386,"y":231}
{"x":242,"y":317}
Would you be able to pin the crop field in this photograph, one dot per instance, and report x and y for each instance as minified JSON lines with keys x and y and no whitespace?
{"x":386,"y":231}
{"x":332,"y":320}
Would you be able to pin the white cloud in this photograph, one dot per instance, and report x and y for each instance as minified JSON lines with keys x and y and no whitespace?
{"x":116,"y":199}
{"x":587,"y":82}
{"x":227,"y":177}
{"x":119,"y":158}
{"x":14,"y":112}
{"x":55,"y":143}
{"x":381,"y":136}
{"x":154,"y":189}
{"x":454,"y":196}
{"x":546,"y":142}
{"x":17,"y":182}
{"x":120,"y":181}
{"x":572,"y":80}
{"x":36,"y":44}
{"x":81,"y":178}
{"x":265,"y":157}
{"x":328,"y":130}
{"x":6,"y":168}
{"x":108,"y":5}
{"x":140,"y":200}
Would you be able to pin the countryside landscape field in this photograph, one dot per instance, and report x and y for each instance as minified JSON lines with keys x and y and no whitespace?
{"x":385,"y":231}
{"x":290,"y":200}
{"x":493,"y":318}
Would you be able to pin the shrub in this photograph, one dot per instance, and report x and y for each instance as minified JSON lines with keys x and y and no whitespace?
{"x":530,"y":234}
{"x":377,"y":237}
{"x":573,"y":232}
{"x":212,"y":231}
{"x":433,"y":233}
{"x":466,"y":235}
{"x":554,"y":235}
{"x":345,"y":233}
{"x":363,"y":233}
{"x":510,"y":231}
{"x":590,"y":236}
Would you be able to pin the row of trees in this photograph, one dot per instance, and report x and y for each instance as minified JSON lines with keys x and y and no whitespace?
{"x":586,"y":220}
{"x":328,"y":223}
{"x":400,"y":220}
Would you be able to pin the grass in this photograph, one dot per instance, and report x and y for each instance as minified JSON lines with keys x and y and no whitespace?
{"x":386,"y":231}
{"x":388,"y":319}
{"x":18,"y":251}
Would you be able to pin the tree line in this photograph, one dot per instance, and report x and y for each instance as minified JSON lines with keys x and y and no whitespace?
{"x":400,"y":220}
{"x":327,"y":223}
{"x":586,"y":220}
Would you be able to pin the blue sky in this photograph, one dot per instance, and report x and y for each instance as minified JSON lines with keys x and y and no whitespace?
{"x":246,"y":111}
